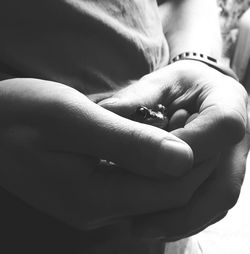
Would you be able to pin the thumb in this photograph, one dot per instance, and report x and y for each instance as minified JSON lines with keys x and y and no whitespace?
{"x":140,"y":148}
{"x":143,"y":143}
{"x":139,"y":93}
{"x":137,"y":147}
{"x":81,"y":126}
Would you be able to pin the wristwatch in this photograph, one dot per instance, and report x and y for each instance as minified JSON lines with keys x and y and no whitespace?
{"x":210,"y":61}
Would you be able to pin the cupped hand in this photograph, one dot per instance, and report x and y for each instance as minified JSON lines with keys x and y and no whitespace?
{"x":52,"y":138}
{"x":217,"y":104}
{"x":209,"y":111}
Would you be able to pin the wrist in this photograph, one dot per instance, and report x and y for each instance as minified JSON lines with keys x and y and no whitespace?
{"x":187,"y":71}
{"x":212,"y":62}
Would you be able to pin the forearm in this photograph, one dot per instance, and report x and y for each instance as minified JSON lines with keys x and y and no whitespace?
{"x":40,"y":106}
{"x":60,"y":116}
{"x":192,"y":25}
{"x":47,"y":135}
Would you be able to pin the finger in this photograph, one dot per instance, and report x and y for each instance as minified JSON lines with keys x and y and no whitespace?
{"x":198,"y":230}
{"x":138,"y":93}
{"x":137,"y":147}
{"x":84,"y":194}
{"x":97,"y":97}
{"x":178,"y":119}
{"x":126,"y":195}
{"x":221,"y":120}
{"x":210,"y":133}
{"x":180,"y":222}
{"x":153,"y":233}
{"x":191,"y":118}
{"x":61,"y":119}
{"x":214,"y":198}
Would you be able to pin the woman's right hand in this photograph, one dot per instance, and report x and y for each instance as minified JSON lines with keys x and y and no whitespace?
{"x":52,"y":137}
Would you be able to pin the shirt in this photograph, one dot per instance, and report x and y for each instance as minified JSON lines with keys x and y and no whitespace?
{"x":92,"y":46}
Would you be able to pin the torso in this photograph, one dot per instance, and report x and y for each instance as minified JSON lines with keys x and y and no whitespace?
{"x":93,"y":46}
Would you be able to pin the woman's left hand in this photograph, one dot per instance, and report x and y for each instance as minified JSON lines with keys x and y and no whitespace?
{"x":217,"y":105}
{"x":218,"y":101}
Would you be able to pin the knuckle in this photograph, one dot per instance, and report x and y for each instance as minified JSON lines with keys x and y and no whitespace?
{"x":233,"y":200}
{"x":233,"y":194}
{"x":233,"y":124}
{"x":244,"y":93}
{"x":230,"y":196}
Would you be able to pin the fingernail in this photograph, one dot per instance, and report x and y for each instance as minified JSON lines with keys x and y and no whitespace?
{"x":175,"y":158}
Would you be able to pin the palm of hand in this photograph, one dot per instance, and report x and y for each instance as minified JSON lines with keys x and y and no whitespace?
{"x":217,"y":105}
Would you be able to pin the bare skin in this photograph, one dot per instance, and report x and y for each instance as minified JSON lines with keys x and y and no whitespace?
{"x":194,"y":117}
{"x":52,"y":138}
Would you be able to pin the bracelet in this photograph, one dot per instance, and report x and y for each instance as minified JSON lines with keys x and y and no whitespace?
{"x":210,"y":61}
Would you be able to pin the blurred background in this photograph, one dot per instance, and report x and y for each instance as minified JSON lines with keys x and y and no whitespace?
{"x":230,"y":12}
{"x":235,"y":26}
